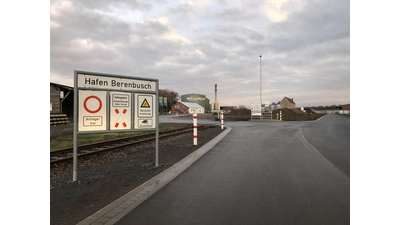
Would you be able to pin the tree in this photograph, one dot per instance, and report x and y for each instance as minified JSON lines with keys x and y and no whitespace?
{"x":172,"y":98}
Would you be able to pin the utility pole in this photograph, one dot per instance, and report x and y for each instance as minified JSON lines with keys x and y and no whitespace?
{"x":260,"y":81}
{"x":261,"y":88}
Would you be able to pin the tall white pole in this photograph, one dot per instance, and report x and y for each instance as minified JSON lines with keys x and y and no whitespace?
{"x":260,"y":82}
{"x":261,"y":89}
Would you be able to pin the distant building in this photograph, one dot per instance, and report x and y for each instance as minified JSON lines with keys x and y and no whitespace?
{"x":199,"y":99}
{"x":61,"y":99}
{"x":287,"y":103}
{"x":61,"y":104}
{"x":346,"y":107}
{"x":187,"y":108}
{"x":274,"y":106}
{"x":226,"y":107}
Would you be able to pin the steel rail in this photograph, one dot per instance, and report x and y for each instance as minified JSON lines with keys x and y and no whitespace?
{"x":95,"y":148}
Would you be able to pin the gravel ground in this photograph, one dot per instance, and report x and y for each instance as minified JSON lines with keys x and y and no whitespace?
{"x":103,"y":179}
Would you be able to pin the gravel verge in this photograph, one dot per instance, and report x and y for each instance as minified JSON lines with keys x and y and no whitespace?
{"x":104,"y":178}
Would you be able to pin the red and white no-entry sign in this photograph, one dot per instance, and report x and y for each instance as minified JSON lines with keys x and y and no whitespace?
{"x":96,"y":109}
{"x":92,"y":110}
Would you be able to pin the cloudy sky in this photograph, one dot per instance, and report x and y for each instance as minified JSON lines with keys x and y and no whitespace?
{"x":190,"y":46}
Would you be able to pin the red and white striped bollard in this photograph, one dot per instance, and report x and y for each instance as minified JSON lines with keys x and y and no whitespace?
{"x":222,"y":120}
{"x":194,"y":129}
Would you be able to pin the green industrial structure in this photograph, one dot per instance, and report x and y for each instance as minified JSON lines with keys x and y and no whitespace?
{"x":199,"y":99}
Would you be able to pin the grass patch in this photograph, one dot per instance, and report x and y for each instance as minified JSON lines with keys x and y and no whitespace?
{"x":61,"y":126}
{"x":66,"y":141}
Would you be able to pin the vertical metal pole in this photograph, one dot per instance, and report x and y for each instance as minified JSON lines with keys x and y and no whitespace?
{"x":194,"y":129}
{"x":280,"y":113}
{"x":75,"y":135}
{"x":260,"y":82}
{"x":261,"y":88}
{"x":157,"y":123}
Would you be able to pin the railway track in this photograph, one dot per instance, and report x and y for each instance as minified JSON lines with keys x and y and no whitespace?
{"x":63,"y":155}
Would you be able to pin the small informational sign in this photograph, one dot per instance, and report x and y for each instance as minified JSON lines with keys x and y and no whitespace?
{"x":165,"y":102}
{"x":256,"y":108}
{"x":145,"y":116}
{"x":120,"y":110}
{"x":92,"y":110}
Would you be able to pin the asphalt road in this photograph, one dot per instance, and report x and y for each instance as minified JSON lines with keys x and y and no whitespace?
{"x":261,"y":173}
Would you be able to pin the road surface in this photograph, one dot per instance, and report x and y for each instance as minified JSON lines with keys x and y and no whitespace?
{"x":261,"y":173}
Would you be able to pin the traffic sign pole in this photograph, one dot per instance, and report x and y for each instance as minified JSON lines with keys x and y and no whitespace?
{"x":75,"y":135}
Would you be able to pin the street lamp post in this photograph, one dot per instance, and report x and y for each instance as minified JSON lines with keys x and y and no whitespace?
{"x":261,"y":88}
{"x":260,"y":81}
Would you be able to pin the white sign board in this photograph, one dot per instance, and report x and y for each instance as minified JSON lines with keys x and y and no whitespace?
{"x":256,"y":108}
{"x":115,"y":83}
{"x":113,"y":103}
{"x":145,"y":115}
{"x":120,"y":110}
{"x":92,"y":110}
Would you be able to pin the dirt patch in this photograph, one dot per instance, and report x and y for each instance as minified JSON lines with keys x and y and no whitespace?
{"x":104,"y":178}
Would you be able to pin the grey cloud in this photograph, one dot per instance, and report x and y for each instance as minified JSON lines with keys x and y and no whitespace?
{"x":319,"y":22}
{"x":236,"y":14}
{"x":106,"y":5}
{"x":89,"y":25}
{"x":309,"y":52}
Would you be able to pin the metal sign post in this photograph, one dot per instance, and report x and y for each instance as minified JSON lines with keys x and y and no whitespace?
{"x":113,"y":103}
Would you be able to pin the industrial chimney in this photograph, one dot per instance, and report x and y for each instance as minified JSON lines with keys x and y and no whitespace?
{"x":216,"y":93}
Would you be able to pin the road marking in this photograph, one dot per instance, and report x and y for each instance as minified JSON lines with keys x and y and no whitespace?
{"x":304,"y":139}
{"x":329,"y":162}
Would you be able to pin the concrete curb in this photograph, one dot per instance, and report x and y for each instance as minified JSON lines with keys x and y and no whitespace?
{"x":113,"y":212}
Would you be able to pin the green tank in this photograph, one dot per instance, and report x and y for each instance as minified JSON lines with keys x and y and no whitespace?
{"x":199,"y":99}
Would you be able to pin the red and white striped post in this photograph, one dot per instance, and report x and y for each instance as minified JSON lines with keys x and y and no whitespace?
{"x":222,"y":120}
{"x":194,"y":129}
{"x":280,"y":115}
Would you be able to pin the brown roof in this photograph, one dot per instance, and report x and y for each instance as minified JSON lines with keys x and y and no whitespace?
{"x":290,"y":100}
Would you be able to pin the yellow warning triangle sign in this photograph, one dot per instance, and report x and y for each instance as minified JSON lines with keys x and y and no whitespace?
{"x":145,"y":104}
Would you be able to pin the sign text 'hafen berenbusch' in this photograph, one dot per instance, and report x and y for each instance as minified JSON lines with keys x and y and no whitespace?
{"x":100,"y":82}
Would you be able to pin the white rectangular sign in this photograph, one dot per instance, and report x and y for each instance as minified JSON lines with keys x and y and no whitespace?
{"x":145,"y":115}
{"x":256,"y":108}
{"x":120,"y":110}
{"x":92,"y":110}
{"x":115,"y":83}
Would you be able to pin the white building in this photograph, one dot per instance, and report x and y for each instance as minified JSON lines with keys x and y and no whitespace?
{"x":187,"y":108}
